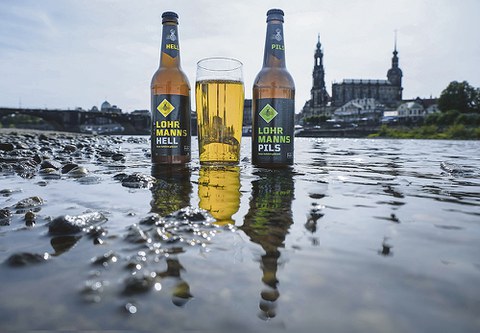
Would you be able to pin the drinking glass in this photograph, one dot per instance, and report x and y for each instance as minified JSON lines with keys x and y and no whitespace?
{"x":219,"y":96}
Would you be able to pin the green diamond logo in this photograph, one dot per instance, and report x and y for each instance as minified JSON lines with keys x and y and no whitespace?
{"x":165,"y":107}
{"x":268,"y":113}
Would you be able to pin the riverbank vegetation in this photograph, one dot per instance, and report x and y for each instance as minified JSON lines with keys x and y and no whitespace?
{"x":459,"y":117}
{"x":458,"y":131}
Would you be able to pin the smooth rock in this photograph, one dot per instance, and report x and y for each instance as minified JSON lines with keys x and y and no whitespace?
{"x":7,"y":146}
{"x":67,"y":224}
{"x":26,"y":258}
{"x":29,"y":202}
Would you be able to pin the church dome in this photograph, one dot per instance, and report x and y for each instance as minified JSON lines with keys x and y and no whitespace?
{"x":105,"y":105}
{"x":395,"y":71}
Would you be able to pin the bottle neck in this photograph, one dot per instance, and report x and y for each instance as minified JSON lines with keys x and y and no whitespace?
{"x":170,"y":55}
{"x":274,"y":55}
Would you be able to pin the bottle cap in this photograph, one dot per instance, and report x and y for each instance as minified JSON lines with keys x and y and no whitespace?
{"x":275,"y":14}
{"x":169,"y":17}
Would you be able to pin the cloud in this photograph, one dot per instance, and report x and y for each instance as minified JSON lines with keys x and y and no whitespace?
{"x":77,"y":53}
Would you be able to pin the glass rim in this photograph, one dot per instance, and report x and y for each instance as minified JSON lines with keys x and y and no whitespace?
{"x":239,"y":64}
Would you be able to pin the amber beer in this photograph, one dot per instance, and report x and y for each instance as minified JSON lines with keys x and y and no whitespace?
{"x":273,"y":103}
{"x":170,"y":101}
{"x":219,"y":99}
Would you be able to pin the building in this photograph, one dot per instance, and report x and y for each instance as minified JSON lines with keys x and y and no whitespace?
{"x":360,"y":111}
{"x":387,"y":92}
{"x":318,"y":103}
{"x":247,"y":112}
{"x":106,"y":107}
{"x":417,"y":109}
{"x":411,"y":110}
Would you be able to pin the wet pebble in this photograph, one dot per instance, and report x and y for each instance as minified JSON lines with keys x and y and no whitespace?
{"x":67,"y":224}
{"x":138,"y":180}
{"x":96,"y":232}
{"x":69,"y":148}
{"x":136,"y":235}
{"x":118,"y":157}
{"x":25,"y":168}
{"x":78,"y":172}
{"x":50,"y":164}
{"x":22,"y":145}
{"x":7,"y":146}
{"x":8,"y":192}
{"x":107,"y":153}
{"x":89,"y":180}
{"x":68,"y":167}
{"x":49,"y":173}
{"x":26,"y":258}
{"x":29,"y":202}
{"x":151,"y":220}
{"x":30,"y":218}
{"x":106,"y":259}
{"x":192,"y":214}
{"x":5,"y":215}
{"x":62,"y":244}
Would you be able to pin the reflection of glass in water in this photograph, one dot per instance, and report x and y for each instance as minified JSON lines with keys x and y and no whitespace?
{"x":267,"y":223}
{"x":220,"y":116}
{"x":219,"y":191}
{"x":172,"y":190}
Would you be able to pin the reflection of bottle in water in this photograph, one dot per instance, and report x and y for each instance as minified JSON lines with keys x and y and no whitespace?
{"x":172,"y":190}
{"x":181,"y":291}
{"x":267,"y":223}
{"x":219,"y":191}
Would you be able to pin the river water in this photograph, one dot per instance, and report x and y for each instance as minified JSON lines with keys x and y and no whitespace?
{"x":360,"y":235}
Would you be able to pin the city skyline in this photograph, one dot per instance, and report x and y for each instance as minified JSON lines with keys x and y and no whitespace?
{"x":67,"y":54}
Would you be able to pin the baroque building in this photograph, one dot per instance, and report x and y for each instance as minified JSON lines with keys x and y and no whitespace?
{"x":387,"y":92}
{"x":318,"y":103}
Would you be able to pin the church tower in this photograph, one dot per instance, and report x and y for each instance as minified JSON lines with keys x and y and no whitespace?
{"x":319,"y":93}
{"x":394,"y":74}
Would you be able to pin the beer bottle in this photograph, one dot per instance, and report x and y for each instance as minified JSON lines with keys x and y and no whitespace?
{"x":273,"y":104}
{"x":170,"y":101}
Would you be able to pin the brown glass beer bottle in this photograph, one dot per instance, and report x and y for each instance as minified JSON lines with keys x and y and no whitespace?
{"x":170,"y":101}
{"x":273,"y":104}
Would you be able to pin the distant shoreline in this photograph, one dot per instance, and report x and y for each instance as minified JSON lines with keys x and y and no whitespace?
{"x":456,"y":132}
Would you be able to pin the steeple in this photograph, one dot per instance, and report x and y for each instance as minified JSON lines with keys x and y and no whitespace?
{"x":395,"y":53}
{"x":319,"y":93}
{"x":394,"y":74}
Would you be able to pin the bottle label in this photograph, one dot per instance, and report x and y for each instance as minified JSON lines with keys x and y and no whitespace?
{"x":275,"y":43}
{"x":273,"y":131}
{"x":170,"y":125}
{"x":170,"y":40}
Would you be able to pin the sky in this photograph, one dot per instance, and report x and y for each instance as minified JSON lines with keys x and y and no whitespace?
{"x":78,"y":53}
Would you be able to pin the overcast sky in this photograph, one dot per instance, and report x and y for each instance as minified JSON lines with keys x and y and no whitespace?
{"x":77,"y":53}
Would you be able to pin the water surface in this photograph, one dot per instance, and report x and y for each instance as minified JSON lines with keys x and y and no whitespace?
{"x":360,"y":235}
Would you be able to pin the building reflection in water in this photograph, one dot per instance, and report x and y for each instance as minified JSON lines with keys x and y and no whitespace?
{"x":219,"y":192}
{"x":171,"y":192}
{"x":267,"y":223}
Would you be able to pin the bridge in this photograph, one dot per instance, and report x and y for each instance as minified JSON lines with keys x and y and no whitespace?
{"x":87,"y":121}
